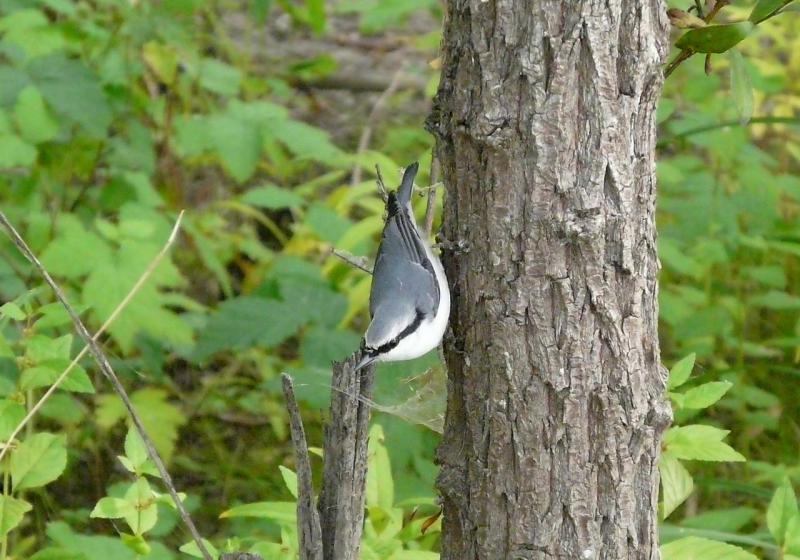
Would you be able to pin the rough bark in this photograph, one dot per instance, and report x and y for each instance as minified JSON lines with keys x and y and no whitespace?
{"x":545,"y":126}
{"x":344,"y":471}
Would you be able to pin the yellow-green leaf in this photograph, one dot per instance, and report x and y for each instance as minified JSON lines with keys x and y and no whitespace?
{"x":714,"y":38}
{"x":676,"y":483}
{"x":38,"y":460}
{"x":12,"y":510}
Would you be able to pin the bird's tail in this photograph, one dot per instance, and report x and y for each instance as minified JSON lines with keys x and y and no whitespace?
{"x":407,"y":184}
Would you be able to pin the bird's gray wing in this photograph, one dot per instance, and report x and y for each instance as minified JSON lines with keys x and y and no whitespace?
{"x":404,"y":287}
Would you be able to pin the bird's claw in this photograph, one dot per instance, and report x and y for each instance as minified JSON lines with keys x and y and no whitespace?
{"x":457,"y":247}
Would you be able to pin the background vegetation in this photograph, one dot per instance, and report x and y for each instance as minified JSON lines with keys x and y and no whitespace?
{"x":264,"y":120}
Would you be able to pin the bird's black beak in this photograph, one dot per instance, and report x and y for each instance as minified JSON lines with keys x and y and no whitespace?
{"x":366,"y":359}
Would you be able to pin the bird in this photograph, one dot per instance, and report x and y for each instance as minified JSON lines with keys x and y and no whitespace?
{"x":409,"y":300}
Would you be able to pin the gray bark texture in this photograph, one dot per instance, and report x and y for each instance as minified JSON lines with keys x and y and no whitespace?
{"x":545,"y":127}
{"x":344,"y":468}
{"x":309,"y":531}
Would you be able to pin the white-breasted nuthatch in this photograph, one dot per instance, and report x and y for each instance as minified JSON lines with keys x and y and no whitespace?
{"x":409,"y":301}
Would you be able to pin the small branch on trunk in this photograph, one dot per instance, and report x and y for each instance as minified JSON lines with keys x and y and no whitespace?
{"x":108,"y":372}
{"x":341,"y":503}
{"x":308,"y":526}
{"x":430,"y":209}
{"x":360,"y":263}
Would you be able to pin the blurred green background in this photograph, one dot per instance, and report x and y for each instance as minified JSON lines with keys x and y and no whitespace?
{"x":264,"y":121}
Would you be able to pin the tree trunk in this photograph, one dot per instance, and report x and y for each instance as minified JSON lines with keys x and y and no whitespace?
{"x":545,"y":126}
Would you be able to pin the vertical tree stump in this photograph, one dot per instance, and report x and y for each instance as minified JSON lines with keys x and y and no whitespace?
{"x":341,"y":502}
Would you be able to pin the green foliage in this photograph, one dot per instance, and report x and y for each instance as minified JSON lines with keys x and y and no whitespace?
{"x":114,"y":117}
{"x":389,"y":532}
{"x":728,"y":242}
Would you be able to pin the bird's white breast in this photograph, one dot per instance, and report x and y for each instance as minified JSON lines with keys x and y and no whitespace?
{"x":429,"y":333}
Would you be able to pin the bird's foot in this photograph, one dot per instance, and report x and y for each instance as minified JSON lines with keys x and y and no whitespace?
{"x":457,"y":247}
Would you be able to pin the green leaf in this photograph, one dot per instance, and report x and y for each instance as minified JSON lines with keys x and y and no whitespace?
{"x":42,"y":349}
{"x":792,"y":536}
{"x":380,"y":484}
{"x":782,"y":508}
{"x":45,"y":374}
{"x":72,"y":91}
{"x":326,"y":223}
{"x":12,"y":81}
{"x":162,"y":420}
{"x":112,"y":508}
{"x":696,"y":548}
{"x":135,"y":450}
{"x":12,"y":510}
{"x":51,"y":553}
{"x":680,"y":372}
{"x":313,"y":301}
{"x":726,"y":519}
{"x":15,"y":152}
{"x":218,"y":77}
{"x":54,"y":315}
{"x":321,"y":346}
{"x":145,"y":510}
{"x":11,"y":414}
{"x":237,"y":142}
{"x":775,"y":299}
{"x":705,"y":395}
{"x":741,"y":87}
{"x":290,"y":479}
{"x":772,"y":276}
{"x":91,"y":547}
{"x":38,"y":460}
{"x":192,"y":549}
{"x":136,"y":543}
{"x":714,"y":38}
{"x":246,"y":321}
{"x":306,"y":141}
{"x":162,"y":60}
{"x":75,"y":251}
{"x":272,"y":197}
{"x":764,"y":9}
{"x":676,"y":483}
{"x":675,"y":257}
{"x":150,"y":311}
{"x":280,"y":512}
{"x":699,"y":442}
{"x":33,"y":118}
{"x":316,"y":15}
{"x":12,"y":311}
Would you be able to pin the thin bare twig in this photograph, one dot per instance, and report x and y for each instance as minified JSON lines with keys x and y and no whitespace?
{"x":111,"y":318}
{"x":377,"y":109}
{"x":109,"y":373}
{"x":430,"y":209}
{"x":381,"y":185}
{"x":308,"y":526}
{"x":354,"y":261}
